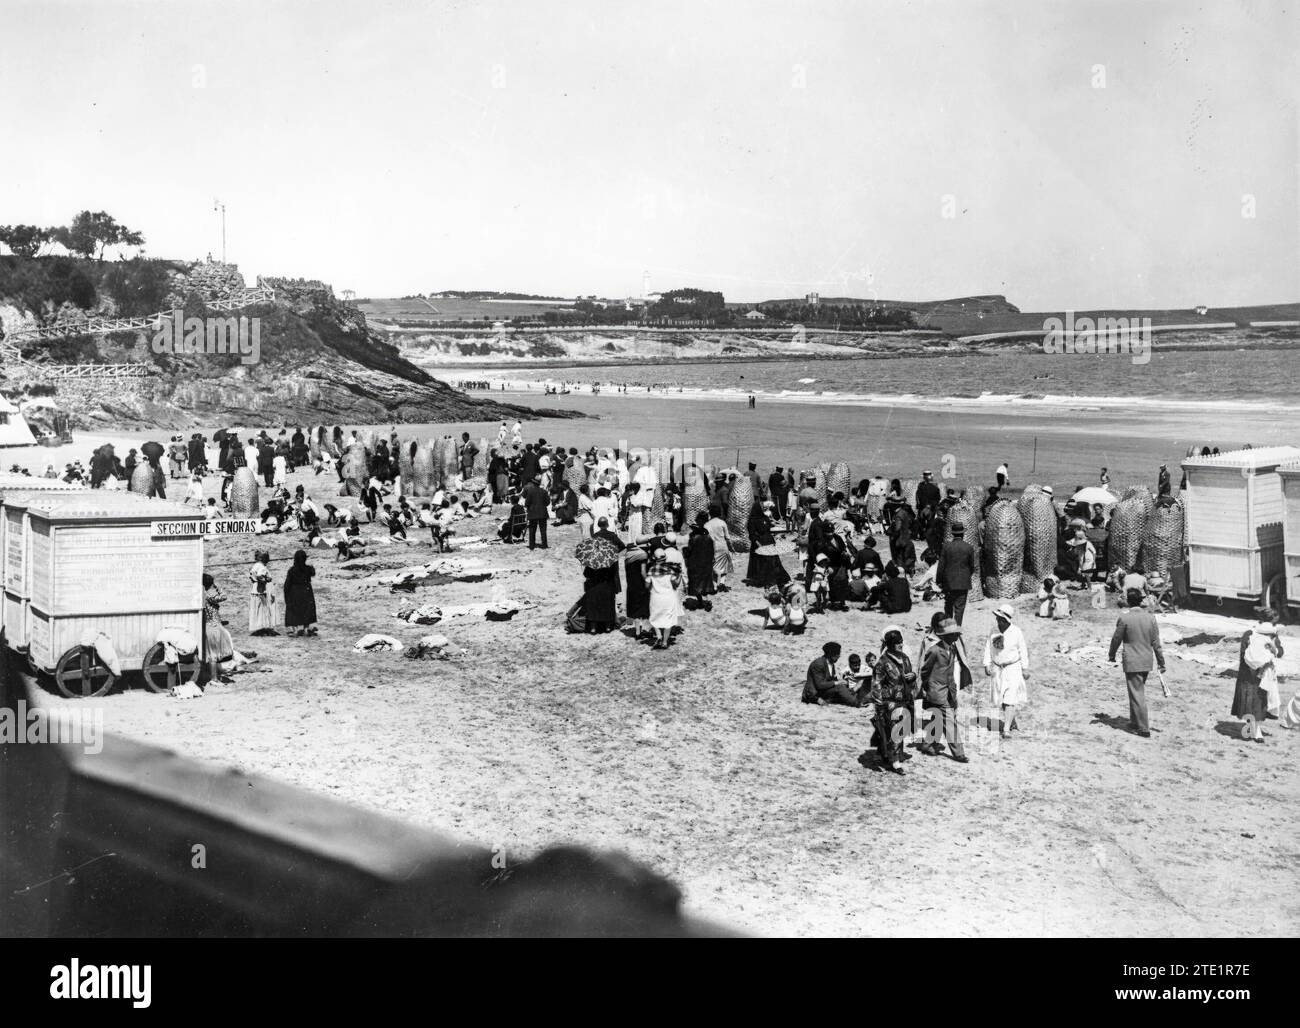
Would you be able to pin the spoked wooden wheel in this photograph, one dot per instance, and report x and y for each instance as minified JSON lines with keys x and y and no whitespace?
{"x":81,"y":674}
{"x":162,"y":677}
{"x":1274,"y":599}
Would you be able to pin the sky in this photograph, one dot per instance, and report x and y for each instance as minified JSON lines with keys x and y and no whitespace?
{"x":1064,"y":153}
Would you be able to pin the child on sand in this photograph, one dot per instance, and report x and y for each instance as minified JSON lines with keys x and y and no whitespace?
{"x":796,"y":609}
{"x":777,"y":613}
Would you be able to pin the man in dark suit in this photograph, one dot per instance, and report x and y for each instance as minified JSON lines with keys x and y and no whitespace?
{"x":943,"y":675}
{"x":953,"y":573}
{"x":1139,"y":633}
{"x":818,"y":534}
{"x":534,"y":497}
{"x":927,"y":496}
{"x":528,"y":464}
{"x":777,"y":490}
{"x":823,"y":682}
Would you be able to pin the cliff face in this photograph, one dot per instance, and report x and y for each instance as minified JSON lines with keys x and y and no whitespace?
{"x":315,"y":361}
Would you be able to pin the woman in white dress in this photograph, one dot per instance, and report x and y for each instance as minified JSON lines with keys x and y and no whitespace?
{"x":261,"y":600}
{"x":664,"y":579}
{"x":1006,"y":658}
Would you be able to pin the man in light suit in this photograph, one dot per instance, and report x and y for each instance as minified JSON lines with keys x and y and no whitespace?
{"x":1139,"y":633}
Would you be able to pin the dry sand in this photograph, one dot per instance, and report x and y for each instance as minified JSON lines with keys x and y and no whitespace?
{"x":702,"y":761}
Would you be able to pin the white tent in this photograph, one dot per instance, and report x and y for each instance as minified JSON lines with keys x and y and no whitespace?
{"x":13,"y":426}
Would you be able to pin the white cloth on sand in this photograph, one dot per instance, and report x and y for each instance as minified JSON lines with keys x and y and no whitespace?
{"x":373,"y":642}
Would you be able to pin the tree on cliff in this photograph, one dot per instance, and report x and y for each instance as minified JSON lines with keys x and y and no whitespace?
{"x":93,"y":231}
{"x":25,"y":240}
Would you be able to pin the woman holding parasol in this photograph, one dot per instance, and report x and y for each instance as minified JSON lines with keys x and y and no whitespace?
{"x":599,"y":559}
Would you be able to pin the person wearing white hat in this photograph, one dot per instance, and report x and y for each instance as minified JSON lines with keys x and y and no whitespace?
{"x":1006,"y":658}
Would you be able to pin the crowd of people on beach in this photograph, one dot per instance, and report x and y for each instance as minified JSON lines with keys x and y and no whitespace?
{"x":652,"y":550}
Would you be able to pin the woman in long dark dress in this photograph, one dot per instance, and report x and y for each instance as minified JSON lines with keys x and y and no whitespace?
{"x":763,"y":570}
{"x":299,"y":597}
{"x":699,"y":566}
{"x":599,"y":592}
{"x":1250,"y":700}
{"x":638,"y":591}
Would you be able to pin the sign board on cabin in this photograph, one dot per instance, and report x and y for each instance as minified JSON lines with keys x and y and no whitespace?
{"x":189,"y":529}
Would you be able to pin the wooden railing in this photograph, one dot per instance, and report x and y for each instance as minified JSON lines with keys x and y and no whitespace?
{"x":107,"y":326}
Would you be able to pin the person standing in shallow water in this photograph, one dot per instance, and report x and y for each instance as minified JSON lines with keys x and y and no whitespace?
{"x":299,"y":597}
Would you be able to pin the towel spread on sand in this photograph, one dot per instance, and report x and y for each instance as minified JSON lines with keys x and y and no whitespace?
{"x":373,"y":642}
{"x":427,"y":614}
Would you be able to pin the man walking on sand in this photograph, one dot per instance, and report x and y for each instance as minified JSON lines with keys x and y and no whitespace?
{"x":954,"y":571}
{"x":944,"y":673}
{"x":535,"y":503}
{"x":1139,"y":633}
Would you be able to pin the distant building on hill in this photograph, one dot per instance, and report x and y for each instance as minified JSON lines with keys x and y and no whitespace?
{"x":756,"y":316}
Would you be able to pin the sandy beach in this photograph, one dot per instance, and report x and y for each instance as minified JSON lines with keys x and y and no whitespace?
{"x":702,"y":762}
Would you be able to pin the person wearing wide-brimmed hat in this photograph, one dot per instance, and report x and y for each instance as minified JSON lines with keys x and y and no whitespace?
{"x":943,"y":675}
{"x":1006,"y":658}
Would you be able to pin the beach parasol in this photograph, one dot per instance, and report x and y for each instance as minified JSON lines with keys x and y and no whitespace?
{"x":776,"y":549}
{"x":596,"y":553}
{"x":1094,"y":494}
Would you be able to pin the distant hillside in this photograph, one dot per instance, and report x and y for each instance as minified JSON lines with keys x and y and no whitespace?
{"x":318,"y":358}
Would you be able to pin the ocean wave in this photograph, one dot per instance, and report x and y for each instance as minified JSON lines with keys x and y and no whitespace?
{"x":984,"y":399}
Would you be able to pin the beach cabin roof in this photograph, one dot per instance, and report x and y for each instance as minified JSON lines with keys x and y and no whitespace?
{"x":1264,"y":458}
{"x":102,"y":505}
{"x":13,"y":426}
{"x":9,"y":482}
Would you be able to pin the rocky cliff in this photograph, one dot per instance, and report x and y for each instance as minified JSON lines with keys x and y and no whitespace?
{"x":315,"y":360}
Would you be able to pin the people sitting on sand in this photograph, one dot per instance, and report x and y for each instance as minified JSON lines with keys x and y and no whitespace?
{"x":393,"y":522}
{"x":349,"y":548}
{"x":824,"y":684}
{"x":515,"y":526}
{"x":796,"y":608}
{"x":896,"y":592}
{"x":777,"y":614}
{"x":1053,"y":599}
